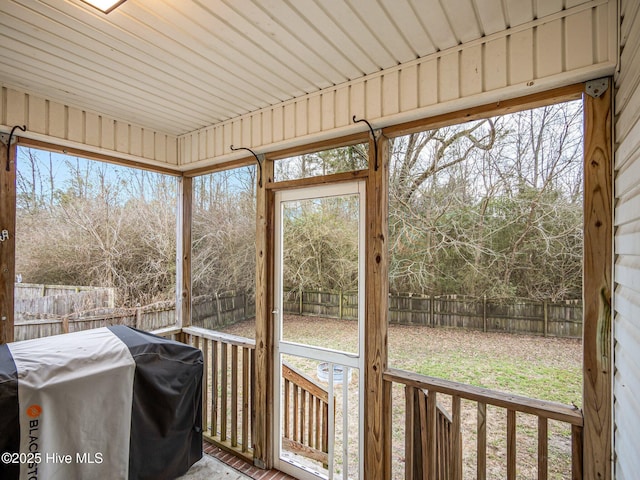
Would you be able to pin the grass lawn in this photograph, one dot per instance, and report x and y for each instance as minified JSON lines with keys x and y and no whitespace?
{"x":536,"y":367}
{"x":544,"y":368}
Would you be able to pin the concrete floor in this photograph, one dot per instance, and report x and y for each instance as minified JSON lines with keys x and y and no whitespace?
{"x":209,"y":468}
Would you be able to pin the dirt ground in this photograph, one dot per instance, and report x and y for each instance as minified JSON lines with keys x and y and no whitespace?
{"x":545,"y":368}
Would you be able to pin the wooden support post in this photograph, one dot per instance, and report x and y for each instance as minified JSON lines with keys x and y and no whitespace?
{"x":545,"y":307}
{"x":264,"y":322}
{"x":183,"y":252}
{"x":598,"y":257}
{"x":377,"y":455}
{"x":8,"y":243}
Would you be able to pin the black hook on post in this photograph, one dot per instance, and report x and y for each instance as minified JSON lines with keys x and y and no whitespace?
{"x":373,"y":136}
{"x":24,"y":129}
{"x":257,"y":160}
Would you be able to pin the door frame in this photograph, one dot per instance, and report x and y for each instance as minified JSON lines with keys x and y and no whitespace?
{"x":282,"y":347}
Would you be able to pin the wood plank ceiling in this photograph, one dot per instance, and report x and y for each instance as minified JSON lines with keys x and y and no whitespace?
{"x":179,"y":65}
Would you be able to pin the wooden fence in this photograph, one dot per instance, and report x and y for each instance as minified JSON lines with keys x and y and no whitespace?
{"x":32,"y":299}
{"x":25,"y":291}
{"x":148,"y":317}
{"x":343,"y":305}
{"x":83,"y":309}
{"x":92,"y":308}
{"x":558,"y":319}
{"x":216,"y":311}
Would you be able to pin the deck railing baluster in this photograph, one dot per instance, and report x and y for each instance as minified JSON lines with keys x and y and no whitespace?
{"x":543,"y":448}
{"x":214,"y":388}
{"x":318,"y":427}
{"x":482,"y":441}
{"x":456,"y":439}
{"x":205,"y":385}
{"x":234,"y":395}
{"x":303,"y":408}
{"x":432,"y":422}
{"x":511,"y":444}
{"x":576,"y":452}
{"x":224,"y":374}
{"x":410,"y":420}
{"x":287,"y":408}
{"x":296,"y":412}
{"x":310,"y":420}
{"x":245,"y":399}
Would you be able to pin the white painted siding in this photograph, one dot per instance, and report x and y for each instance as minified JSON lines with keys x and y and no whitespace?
{"x":566,"y":47}
{"x":626,"y":387}
{"x":73,"y":127}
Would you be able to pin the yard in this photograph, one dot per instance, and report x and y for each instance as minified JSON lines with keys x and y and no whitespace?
{"x":537,"y":367}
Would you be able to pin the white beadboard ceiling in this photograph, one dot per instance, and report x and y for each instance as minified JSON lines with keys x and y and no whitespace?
{"x":180,"y":65}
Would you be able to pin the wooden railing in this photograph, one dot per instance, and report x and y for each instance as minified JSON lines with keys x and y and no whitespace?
{"x":227,"y":397}
{"x":306,"y":416}
{"x":438,"y":420}
{"x":227,"y":388}
{"x":418,"y":443}
{"x":442,"y":444}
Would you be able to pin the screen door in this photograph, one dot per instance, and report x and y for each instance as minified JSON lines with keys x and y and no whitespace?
{"x":318,"y":318}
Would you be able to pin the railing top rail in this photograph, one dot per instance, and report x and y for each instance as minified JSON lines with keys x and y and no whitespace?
{"x":61,"y":287}
{"x":541,"y":408}
{"x":305,"y":382}
{"x":166,"y":331}
{"x":221,"y":337}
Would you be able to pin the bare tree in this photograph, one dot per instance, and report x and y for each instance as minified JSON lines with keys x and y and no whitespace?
{"x":223,"y":232}
{"x":92,"y":232}
{"x":495,"y":214}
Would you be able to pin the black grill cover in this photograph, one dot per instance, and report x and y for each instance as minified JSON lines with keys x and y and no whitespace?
{"x":119,"y":402}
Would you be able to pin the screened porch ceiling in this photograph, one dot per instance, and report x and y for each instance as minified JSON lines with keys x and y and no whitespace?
{"x":177,"y":66}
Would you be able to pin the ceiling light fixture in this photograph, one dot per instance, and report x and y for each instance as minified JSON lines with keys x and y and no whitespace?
{"x":105,"y":6}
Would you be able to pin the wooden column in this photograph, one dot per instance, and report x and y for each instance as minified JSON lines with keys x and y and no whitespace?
{"x":183,"y":253}
{"x":262,"y":434}
{"x":598,"y":231}
{"x":8,"y":245}
{"x":377,"y":413}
